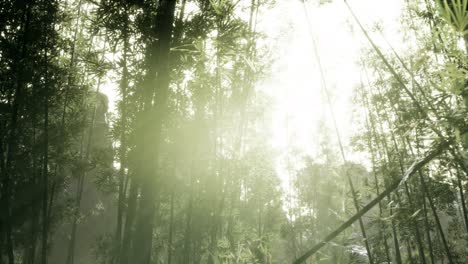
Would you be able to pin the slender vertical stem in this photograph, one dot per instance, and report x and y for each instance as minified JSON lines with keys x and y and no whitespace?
{"x":45,"y":160}
{"x":337,"y":132}
{"x":171,"y":230}
{"x":437,"y":220}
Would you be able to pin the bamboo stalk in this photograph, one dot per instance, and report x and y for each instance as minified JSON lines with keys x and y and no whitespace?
{"x":436,"y":150}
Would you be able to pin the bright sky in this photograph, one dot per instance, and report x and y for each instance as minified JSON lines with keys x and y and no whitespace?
{"x":295,"y":84}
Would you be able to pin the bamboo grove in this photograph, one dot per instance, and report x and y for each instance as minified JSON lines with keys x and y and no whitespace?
{"x":183,"y":169}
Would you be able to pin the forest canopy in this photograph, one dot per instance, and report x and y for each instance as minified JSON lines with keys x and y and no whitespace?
{"x":233,"y":131}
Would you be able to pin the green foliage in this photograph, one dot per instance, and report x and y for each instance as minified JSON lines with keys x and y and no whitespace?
{"x":455,"y":12}
{"x":182,"y":170}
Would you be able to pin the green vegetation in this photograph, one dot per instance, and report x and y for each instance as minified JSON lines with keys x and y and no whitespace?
{"x":184,"y":170}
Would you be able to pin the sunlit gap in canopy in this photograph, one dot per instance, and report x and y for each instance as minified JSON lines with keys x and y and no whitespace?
{"x":301,"y":117}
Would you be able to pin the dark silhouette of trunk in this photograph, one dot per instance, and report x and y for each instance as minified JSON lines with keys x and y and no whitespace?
{"x":150,"y":140}
{"x":129,"y":219}
{"x":45,"y":195}
{"x":30,"y":250}
{"x":45,"y":162}
{"x":11,"y":144}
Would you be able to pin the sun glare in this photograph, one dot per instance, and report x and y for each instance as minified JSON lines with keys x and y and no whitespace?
{"x":295,"y":84}
{"x":300,"y":103}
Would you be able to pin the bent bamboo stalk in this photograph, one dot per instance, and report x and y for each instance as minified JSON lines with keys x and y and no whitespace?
{"x":436,"y":150}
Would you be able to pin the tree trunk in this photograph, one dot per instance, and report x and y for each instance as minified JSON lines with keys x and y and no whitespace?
{"x":385,"y":155}
{"x":83,"y":167}
{"x":123,"y":144}
{"x":45,"y":164}
{"x":11,"y":143}
{"x":171,"y":229}
{"x":428,"y":230}
{"x":437,"y":220}
{"x":153,"y":118}
{"x":129,"y":219}
{"x":462,"y":198}
{"x":188,"y":224}
{"x":395,"y":241}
